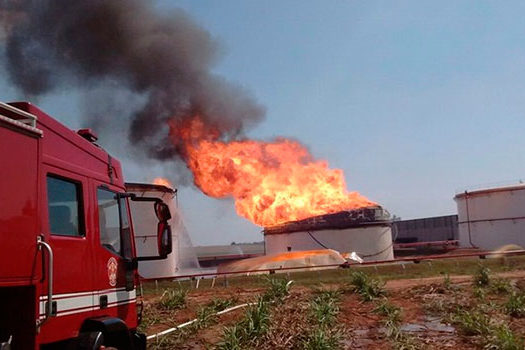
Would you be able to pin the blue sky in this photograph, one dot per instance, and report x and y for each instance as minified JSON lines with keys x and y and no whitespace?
{"x":414,"y":100}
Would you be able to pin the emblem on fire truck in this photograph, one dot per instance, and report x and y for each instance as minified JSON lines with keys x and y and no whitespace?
{"x":112,"y":271}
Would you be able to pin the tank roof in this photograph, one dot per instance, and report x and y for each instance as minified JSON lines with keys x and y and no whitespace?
{"x":515,"y":187}
{"x":367,"y":216}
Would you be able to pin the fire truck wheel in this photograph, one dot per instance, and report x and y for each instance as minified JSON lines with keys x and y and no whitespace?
{"x":91,"y":340}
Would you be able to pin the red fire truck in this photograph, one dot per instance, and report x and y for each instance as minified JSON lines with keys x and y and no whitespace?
{"x":68,"y":267}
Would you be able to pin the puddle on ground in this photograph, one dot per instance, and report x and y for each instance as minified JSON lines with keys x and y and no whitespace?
{"x":428,"y":324}
{"x":363,"y":338}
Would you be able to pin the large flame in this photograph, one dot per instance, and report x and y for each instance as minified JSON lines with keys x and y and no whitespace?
{"x":271,"y":182}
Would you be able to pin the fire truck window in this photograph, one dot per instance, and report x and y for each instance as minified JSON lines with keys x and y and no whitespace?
{"x":63,"y":200}
{"x":126,"y":230}
{"x":109,"y":221}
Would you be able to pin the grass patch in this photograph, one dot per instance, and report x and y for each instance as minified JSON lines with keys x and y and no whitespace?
{"x":447,"y":283}
{"x":390,"y":311}
{"x":206,"y":316}
{"x":481,"y":277}
{"x":276,"y":289}
{"x":503,"y":338}
{"x":491,"y":335}
{"x":221,"y":304}
{"x":150,"y":316}
{"x":500,"y":286}
{"x":232,"y":339}
{"x":472,"y":322}
{"x":367,"y":287}
{"x":256,"y":321}
{"x":479,"y":292}
{"x":173,"y":299}
{"x":515,"y":306}
{"x":323,"y":333}
{"x":325,"y":307}
{"x":322,"y":339}
{"x":246,"y":333}
{"x":436,"y":306}
{"x":392,"y":320}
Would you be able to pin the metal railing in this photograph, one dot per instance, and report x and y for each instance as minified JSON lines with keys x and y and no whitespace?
{"x":414,"y":259}
{"x":27,"y":118}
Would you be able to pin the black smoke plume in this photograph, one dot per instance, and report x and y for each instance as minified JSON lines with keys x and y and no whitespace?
{"x":163,"y":59}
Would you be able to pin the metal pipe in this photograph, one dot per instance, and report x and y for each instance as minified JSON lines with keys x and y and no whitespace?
{"x":427,"y":244}
{"x":496,"y":219}
{"x":468,"y":221}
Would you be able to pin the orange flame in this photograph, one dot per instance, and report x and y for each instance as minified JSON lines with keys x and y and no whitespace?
{"x":162,"y":181}
{"x":271,"y":182}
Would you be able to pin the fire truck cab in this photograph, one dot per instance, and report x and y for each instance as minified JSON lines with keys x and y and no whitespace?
{"x":68,"y":265}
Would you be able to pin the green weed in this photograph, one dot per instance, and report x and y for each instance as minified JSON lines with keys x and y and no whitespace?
{"x":367,"y":287}
{"x":400,"y":340}
{"x":515,"y":306}
{"x":173,"y":299}
{"x":325,"y":307}
{"x":500,"y":286}
{"x":322,"y":339}
{"x":221,"y":304}
{"x":447,"y":283}
{"x":390,"y":311}
{"x":479,"y":292}
{"x":502,"y":338}
{"x":482,"y":276}
{"x":277,"y":289}
{"x":471,"y":322}
{"x":436,"y":306}
{"x":205,"y":317}
{"x":232,"y":339}
{"x":256,"y":320}
{"x":253,"y":325}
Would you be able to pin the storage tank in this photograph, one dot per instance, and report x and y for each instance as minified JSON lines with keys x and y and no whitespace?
{"x":493,"y":217}
{"x":366,"y":231}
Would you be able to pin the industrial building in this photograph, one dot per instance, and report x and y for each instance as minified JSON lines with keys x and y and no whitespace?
{"x":493,"y":217}
{"x":366,"y":231}
{"x":438,"y":228}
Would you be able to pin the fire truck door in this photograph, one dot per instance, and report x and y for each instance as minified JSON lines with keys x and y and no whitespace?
{"x":114,"y":254}
{"x":65,"y":228}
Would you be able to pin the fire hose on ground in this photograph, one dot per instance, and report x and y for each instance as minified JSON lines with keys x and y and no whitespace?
{"x":185,"y":324}
{"x":173,"y":329}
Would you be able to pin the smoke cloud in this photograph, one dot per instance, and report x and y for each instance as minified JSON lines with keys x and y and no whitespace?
{"x":164,"y":59}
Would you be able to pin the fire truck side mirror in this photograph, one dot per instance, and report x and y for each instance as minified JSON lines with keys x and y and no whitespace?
{"x":162,"y":211}
{"x":164,"y":238}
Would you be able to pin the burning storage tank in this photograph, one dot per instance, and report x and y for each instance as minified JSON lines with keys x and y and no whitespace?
{"x":183,"y":257}
{"x":366,"y":231}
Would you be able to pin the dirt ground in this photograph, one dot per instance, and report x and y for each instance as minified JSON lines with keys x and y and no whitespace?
{"x":362,"y":328}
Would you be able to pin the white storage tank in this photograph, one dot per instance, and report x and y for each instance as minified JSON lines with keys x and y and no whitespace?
{"x":493,"y":217}
{"x":145,"y":226}
{"x":366,"y":231}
